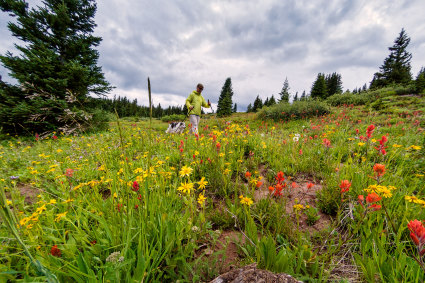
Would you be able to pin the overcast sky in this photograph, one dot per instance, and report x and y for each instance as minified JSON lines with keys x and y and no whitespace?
{"x":256,"y":43}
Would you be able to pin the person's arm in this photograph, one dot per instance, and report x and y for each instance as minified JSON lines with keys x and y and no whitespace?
{"x":204,"y":103}
{"x":189,"y":101}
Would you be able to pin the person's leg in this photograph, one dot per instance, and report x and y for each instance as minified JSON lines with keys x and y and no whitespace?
{"x":198,"y":119}
{"x":193,"y":119}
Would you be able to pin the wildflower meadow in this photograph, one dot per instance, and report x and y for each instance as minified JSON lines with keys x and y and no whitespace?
{"x":332,"y":197}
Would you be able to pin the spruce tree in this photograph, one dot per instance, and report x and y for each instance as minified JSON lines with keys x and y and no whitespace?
{"x":284,"y":93}
{"x":266,"y":102}
{"x":296,"y":96}
{"x":235,"y":108}
{"x":258,"y":104}
{"x":249,"y":108}
{"x":319,"y":90}
{"x":303,"y":96}
{"x":272,"y":101}
{"x":333,"y":84}
{"x":224,"y":107}
{"x":420,"y":81}
{"x":56,"y":69}
{"x":396,"y":67}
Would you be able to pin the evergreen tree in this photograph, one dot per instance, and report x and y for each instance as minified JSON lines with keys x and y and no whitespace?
{"x":296,"y":96}
{"x":284,"y":93}
{"x":420,"y":81}
{"x":396,"y":67}
{"x":258,"y":104}
{"x":249,"y":108}
{"x":333,"y":84}
{"x":303,"y":96}
{"x":266,"y":102}
{"x":224,"y":107}
{"x":319,"y":90}
{"x":235,"y":108}
{"x":364,"y":87}
{"x":56,"y":69}
{"x":272,"y":101}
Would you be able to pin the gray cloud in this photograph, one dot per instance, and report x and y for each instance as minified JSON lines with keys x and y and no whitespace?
{"x":258,"y":44}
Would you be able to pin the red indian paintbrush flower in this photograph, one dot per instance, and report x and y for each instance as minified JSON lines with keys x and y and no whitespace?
{"x":369,"y":131}
{"x":327,"y":143}
{"x":280,"y":177}
{"x":372,"y":197}
{"x":55,"y":251}
{"x":135,"y":186}
{"x":345,"y":186}
{"x":69,"y":172}
{"x":417,"y":233}
{"x":379,"y":169}
{"x":248,"y":174}
{"x":310,"y":185}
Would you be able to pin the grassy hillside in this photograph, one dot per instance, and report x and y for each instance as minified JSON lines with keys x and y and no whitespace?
{"x":328,"y":197}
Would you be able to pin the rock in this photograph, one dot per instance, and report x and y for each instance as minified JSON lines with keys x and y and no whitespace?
{"x":250,"y":273}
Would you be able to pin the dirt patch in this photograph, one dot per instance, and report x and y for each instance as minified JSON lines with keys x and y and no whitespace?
{"x":251,"y":273}
{"x":300,"y":190}
{"x":30,"y":193}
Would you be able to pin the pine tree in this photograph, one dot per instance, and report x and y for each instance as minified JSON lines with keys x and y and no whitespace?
{"x":224,"y":107}
{"x":56,"y":69}
{"x":420,"y":81}
{"x":296,"y":96}
{"x":258,"y":104}
{"x":318,"y":90}
{"x":396,"y":67}
{"x":284,"y":93}
{"x":266,"y":102}
{"x":235,"y":108}
{"x":249,"y":108}
{"x":303,"y":96}
{"x":272,"y":101}
{"x":333,"y":84}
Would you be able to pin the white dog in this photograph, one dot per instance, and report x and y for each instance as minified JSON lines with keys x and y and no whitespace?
{"x":176,"y":128}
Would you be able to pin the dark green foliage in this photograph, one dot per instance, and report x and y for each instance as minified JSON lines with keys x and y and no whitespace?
{"x":224,"y":107}
{"x":420,"y":81}
{"x":396,"y":67}
{"x":258,"y":104}
{"x":235,"y":108}
{"x":127,"y":108}
{"x":296,"y":96}
{"x":249,"y":108}
{"x":296,"y":110}
{"x":284,"y":93}
{"x":272,"y":101}
{"x":303,"y":96}
{"x":319,"y":89}
{"x":56,"y":69}
{"x":333,"y":84}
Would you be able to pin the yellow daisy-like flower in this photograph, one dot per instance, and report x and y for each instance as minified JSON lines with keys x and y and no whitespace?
{"x":202,"y":183}
{"x":397,"y":145}
{"x":52,"y":201}
{"x":246,"y":200}
{"x":410,"y":198}
{"x":201,"y":199}
{"x":185,"y":187}
{"x":227,"y":171}
{"x":361,"y":144}
{"x":60,"y":216}
{"x":185,"y":171}
{"x":298,"y":207}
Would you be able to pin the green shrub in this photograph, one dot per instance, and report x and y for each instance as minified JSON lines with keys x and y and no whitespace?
{"x":296,"y":110}
{"x":173,"y":117}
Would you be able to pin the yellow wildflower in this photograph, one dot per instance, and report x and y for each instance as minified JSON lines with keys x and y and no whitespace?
{"x":246,"y":200}
{"x":201,"y":199}
{"x":397,"y":145}
{"x":185,"y":187}
{"x":202,"y":183}
{"x":60,"y":216}
{"x":227,"y":171}
{"x":185,"y":171}
{"x":298,"y":207}
{"x":361,"y":144}
{"x":52,"y":201}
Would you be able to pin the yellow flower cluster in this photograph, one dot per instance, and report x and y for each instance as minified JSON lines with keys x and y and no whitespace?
{"x":384,"y":191}
{"x":246,"y":200}
{"x":415,"y":200}
{"x":298,"y":207}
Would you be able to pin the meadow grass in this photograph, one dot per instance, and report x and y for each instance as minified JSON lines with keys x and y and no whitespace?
{"x":134,"y":204}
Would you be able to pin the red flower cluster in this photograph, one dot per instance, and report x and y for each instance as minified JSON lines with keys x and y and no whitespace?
{"x":135,"y":186}
{"x":379,"y":169}
{"x":181,"y":146}
{"x":69,"y":172}
{"x":55,"y":251}
{"x":281,"y":184}
{"x":417,"y":234}
{"x":345,"y":186}
{"x":327,"y":143}
{"x":370,"y":199}
{"x":369,"y":132}
{"x":382,"y":147}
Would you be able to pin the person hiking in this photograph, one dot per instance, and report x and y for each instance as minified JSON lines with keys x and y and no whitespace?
{"x":194,"y":103}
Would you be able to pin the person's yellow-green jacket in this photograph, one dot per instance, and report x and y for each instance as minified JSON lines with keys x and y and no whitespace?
{"x":196,"y":100}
